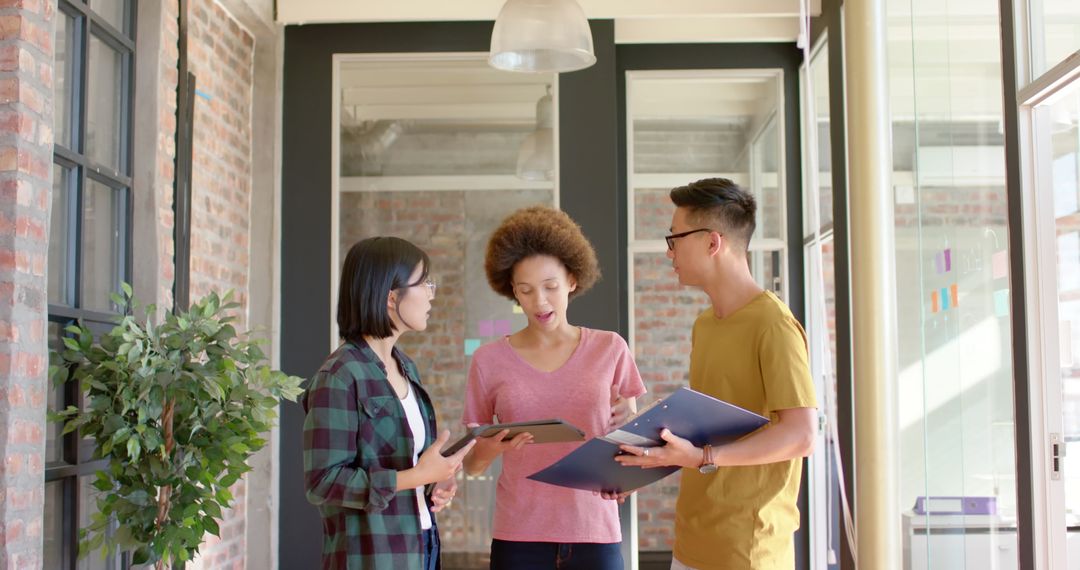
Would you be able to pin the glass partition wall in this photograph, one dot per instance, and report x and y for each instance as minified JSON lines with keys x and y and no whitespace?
{"x":437,"y":149}
{"x":683,"y":126}
{"x":955,"y":399}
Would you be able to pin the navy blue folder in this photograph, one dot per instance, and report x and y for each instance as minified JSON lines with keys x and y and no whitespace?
{"x":688,"y":414}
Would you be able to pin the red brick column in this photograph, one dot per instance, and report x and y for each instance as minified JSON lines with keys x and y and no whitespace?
{"x":222,"y":55}
{"x":26,"y":64}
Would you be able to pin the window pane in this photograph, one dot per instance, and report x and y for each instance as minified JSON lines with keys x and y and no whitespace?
{"x":1055,"y":32}
{"x":59,"y":231}
{"x":53,"y":528}
{"x":766,"y":183}
{"x":53,"y":441}
{"x":62,"y":79}
{"x":113,"y":11}
{"x":103,"y":244}
{"x":819,"y":72}
{"x":685,"y":129}
{"x":88,"y":496}
{"x":104,"y":104}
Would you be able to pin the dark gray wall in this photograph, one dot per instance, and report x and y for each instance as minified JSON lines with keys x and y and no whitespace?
{"x":588,"y":178}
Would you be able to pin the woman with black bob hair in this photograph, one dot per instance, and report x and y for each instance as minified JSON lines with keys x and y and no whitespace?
{"x":372,"y":463}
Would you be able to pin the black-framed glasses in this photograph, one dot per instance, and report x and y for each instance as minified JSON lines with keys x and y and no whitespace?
{"x":671,"y":238}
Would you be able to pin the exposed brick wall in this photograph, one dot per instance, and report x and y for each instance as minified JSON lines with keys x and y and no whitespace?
{"x":165,"y":147}
{"x":221,"y":55}
{"x":26,"y":137}
{"x":664,"y":314}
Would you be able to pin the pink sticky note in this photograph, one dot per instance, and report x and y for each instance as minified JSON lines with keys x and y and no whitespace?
{"x":939,"y":263}
{"x":1000,"y":264}
{"x":502,"y":327}
{"x":948,"y":260}
{"x":485,"y":328}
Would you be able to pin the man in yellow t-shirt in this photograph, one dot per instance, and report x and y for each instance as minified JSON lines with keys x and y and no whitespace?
{"x":737,"y":502}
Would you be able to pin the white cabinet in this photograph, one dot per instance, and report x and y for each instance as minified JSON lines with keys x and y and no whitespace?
{"x":952,"y":542}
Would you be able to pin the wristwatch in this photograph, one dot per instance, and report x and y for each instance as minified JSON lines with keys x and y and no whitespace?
{"x":707,"y":465}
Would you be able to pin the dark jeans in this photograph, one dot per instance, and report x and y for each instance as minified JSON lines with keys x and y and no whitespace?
{"x":431,"y":548}
{"x":511,"y":555}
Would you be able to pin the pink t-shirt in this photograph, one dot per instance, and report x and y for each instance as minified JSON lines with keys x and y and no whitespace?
{"x":502,"y":384}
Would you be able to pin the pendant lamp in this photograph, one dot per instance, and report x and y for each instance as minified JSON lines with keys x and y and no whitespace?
{"x":536,"y":156}
{"x":541,"y":36}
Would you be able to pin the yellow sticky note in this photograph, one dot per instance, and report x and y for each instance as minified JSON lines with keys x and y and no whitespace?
{"x":517,"y":309}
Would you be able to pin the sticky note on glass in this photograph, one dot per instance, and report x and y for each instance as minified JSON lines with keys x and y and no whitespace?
{"x":943,"y":261}
{"x":935,"y":302}
{"x":517,"y":309}
{"x":1000,"y":264}
{"x":502,"y":327}
{"x":471,"y":344}
{"x":485,"y":328}
{"x":1001,"y":302}
{"x":949,"y":297}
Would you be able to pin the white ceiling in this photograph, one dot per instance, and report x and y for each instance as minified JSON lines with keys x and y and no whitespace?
{"x":636,"y":21}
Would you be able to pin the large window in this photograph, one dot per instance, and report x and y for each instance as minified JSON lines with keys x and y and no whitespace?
{"x":89,"y":236}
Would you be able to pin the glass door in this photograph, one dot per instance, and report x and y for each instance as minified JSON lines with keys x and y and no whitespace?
{"x":1054,"y":122}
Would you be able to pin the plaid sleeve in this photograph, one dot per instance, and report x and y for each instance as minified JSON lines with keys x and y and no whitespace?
{"x":330,"y":449}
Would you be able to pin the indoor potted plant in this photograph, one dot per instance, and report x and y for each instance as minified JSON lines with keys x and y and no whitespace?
{"x":176,"y":404}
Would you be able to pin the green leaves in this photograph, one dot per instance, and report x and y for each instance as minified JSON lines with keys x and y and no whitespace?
{"x":176,"y":403}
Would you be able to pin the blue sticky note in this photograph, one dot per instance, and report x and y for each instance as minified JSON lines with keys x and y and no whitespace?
{"x":944,"y":299}
{"x":1001,"y":302}
{"x":471,"y":344}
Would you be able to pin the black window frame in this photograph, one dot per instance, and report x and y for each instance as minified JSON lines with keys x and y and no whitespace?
{"x":76,"y":454}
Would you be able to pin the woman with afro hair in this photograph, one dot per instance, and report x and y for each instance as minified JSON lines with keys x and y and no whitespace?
{"x":539,"y":258}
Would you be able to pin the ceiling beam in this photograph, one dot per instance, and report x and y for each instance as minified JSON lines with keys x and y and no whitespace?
{"x":706,"y":30}
{"x":323,"y":11}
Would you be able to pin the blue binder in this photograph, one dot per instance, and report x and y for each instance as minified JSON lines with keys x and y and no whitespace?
{"x":687,"y":413}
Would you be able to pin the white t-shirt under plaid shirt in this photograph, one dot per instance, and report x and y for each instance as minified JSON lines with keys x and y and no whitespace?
{"x":416,"y":425}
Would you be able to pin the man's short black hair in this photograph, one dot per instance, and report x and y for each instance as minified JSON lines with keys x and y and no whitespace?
{"x":721,"y":205}
{"x":373,"y":268}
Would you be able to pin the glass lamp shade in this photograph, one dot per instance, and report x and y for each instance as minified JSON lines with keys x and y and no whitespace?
{"x":536,"y":159}
{"x":541,"y":36}
{"x":536,"y":156}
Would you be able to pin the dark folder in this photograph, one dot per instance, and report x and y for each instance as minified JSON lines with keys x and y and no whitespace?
{"x":688,"y":414}
{"x":543,"y":431}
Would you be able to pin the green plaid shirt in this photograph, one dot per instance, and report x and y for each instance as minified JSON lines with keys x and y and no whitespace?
{"x":356,"y":439}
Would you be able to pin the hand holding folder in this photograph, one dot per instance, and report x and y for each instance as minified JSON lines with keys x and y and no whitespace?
{"x":691,"y":415}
